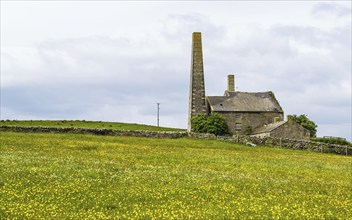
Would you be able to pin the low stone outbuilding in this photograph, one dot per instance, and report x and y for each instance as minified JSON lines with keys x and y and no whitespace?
{"x":283,"y":129}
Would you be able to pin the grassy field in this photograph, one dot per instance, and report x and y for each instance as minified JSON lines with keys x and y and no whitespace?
{"x":70,"y":176}
{"x":85,"y":124}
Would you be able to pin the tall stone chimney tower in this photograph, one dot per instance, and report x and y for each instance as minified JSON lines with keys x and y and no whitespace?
{"x":197,"y":89}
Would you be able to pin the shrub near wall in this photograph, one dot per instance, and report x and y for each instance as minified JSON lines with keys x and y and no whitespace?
{"x":213,"y":124}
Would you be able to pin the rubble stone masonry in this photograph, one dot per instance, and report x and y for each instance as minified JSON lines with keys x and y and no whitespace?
{"x":197,"y":90}
{"x":241,"y":139}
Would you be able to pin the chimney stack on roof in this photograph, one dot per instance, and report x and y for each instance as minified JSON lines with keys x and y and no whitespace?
{"x":230,"y":83}
{"x":290,"y":119}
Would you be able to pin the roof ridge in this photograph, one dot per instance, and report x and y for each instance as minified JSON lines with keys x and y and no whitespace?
{"x":245,"y":102}
{"x":269,"y":127}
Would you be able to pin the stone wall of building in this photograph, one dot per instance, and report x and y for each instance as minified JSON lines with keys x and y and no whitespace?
{"x":291,"y":130}
{"x":251,"y":119}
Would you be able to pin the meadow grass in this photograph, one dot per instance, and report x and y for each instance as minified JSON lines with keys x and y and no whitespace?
{"x":85,"y":124}
{"x":71,"y":176}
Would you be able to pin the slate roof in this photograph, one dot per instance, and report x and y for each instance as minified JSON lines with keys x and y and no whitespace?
{"x":244,"y":102}
{"x":268,"y":128}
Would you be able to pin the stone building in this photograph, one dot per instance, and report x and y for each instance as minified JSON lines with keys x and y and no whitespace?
{"x":245,"y":111}
{"x":251,"y":113}
{"x":287,"y":129}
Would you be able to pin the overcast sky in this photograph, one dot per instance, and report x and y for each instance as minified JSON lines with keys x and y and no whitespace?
{"x":114,"y":60}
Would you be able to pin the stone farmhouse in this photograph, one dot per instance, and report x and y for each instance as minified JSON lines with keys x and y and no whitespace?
{"x":251,"y":113}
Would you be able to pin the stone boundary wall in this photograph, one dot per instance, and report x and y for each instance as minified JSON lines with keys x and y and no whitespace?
{"x":96,"y":131}
{"x":241,"y":139}
{"x":280,"y":143}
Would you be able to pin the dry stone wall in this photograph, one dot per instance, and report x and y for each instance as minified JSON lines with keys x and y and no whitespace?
{"x":280,"y":143}
{"x":241,"y":139}
{"x":94,"y":131}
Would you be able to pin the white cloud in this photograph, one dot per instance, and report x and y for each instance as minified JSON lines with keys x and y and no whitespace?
{"x":330,"y":8}
{"x":117,"y":72}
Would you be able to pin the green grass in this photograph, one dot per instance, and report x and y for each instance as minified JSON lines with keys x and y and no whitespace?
{"x":85,"y":124}
{"x":71,"y":176}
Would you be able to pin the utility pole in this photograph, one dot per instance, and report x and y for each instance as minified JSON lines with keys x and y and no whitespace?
{"x":158,"y":107}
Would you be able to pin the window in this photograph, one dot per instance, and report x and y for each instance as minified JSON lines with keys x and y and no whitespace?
{"x":238,"y":126}
{"x":238,"y":115}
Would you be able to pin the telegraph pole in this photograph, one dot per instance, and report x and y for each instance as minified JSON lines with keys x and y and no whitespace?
{"x":158,"y":107}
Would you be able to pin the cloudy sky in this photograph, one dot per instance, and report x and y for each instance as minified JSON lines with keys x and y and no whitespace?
{"x":114,"y":60}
